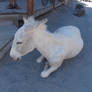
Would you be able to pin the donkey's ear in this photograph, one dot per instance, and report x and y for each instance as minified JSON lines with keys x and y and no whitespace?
{"x":29,"y":20}
{"x":24,"y":19}
{"x":42,"y":24}
{"x":44,"y":21}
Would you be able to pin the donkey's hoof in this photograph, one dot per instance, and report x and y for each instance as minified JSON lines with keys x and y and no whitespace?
{"x":44,"y":74}
{"x":38,"y":60}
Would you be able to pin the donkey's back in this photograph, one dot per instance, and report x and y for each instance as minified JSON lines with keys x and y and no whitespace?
{"x":68,"y":31}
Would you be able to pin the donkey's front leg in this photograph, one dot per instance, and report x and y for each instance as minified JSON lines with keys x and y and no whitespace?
{"x":40,"y":59}
{"x":47,"y":72}
{"x":53,"y":67}
{"x":54,"y":64}
{"x":55,"y":60}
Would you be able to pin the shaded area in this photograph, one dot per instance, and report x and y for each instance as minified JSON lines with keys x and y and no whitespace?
{"x":7,"y":31}
{"x":4,"y":4}
{"x":4,"y":7}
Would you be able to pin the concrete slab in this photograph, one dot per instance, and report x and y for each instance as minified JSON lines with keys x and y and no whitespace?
{"x":4,"y":7}
{"x":3,"y":43}
{"x":7,"y":31}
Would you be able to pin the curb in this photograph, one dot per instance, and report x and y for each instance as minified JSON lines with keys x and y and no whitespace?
{"x":5,"y":49}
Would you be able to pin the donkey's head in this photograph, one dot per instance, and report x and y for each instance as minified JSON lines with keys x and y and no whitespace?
{"x":23,"y":42}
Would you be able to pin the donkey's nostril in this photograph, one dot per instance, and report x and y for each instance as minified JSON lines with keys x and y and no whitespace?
{"x":18,"y":59}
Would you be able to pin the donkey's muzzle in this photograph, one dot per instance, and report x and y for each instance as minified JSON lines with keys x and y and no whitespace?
{"x":16,"y":59}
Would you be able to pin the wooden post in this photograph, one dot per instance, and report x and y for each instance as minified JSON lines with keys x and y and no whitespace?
{"x":30,"y":7}
{"x":10,"y":1}
{"x":15,"y":2}
{"x":54,"y":3}
{"x":10,"y":6}
{"x":16,"y":5}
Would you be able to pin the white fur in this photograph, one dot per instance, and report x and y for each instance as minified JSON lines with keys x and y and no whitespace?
{"x":64,"y":43}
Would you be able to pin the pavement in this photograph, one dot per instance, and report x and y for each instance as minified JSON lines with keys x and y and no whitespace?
{"x":75,"y":75}
{"x":4,"y":7}
{"x":7,"y":31}
{"x":22,"y":6}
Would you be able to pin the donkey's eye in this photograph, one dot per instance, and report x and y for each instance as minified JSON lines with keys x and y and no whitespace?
{"x":19,"y":42}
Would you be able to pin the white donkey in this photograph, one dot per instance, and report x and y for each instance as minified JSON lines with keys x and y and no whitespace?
{"x":64,"y":43}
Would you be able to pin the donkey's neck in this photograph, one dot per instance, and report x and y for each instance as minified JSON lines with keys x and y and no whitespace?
{"x":44,"y":40}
